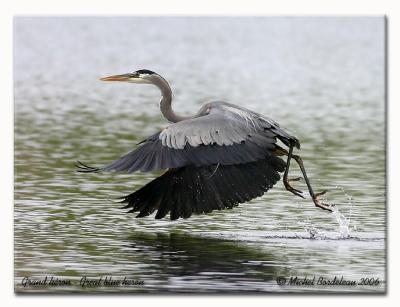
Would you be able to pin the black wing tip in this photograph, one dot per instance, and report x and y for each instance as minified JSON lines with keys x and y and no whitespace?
{"x":83,"y":168}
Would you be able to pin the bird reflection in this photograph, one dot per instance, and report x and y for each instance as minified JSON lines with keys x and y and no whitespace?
{"x":193,"y":257}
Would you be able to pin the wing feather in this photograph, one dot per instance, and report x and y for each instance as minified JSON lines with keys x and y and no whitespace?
{"x":203,"y":189}
{"x":152,"y":155}
{"x":226,"y":135}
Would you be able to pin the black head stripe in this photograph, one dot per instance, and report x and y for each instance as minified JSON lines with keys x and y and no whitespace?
{"x":145,"y":71}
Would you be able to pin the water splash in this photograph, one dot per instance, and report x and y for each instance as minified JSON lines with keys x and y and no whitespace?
{"x":312,"y":230}
{"x":344,"y":223}
{"x":346,"y":227}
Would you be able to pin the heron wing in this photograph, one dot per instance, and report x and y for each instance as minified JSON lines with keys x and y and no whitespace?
{"x":220,"y":127}
{"x":218,"y":137}
{"x":152,"y":155}
{"x":191,"y":189}
{"x":225,"y":134}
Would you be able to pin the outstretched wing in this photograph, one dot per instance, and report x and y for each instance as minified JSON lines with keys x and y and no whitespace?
{"x":224,"y":134}
{"x":188,"y":190}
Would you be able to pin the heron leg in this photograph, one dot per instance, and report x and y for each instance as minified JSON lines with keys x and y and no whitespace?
{"x":286,"y":181}
{"x":314,"y":196}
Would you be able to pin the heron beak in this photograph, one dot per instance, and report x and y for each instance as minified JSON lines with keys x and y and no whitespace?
{"x":124,"y":77}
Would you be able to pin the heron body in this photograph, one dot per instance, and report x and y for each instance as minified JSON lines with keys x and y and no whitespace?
{"x":222,"y":156}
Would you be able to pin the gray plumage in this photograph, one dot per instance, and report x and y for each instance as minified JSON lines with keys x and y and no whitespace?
{"x":222,"y":123}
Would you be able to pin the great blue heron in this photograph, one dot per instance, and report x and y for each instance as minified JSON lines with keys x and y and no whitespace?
{"x":221,"y":156}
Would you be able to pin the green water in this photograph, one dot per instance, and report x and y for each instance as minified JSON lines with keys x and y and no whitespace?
{"x":323,"y":78}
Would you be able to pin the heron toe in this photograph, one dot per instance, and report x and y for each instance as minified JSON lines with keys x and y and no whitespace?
{"x":292,"y":189}
{"x":320,"y":204}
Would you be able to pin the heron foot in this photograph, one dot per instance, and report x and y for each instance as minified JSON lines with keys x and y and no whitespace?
{"x":288,"y":187}
{"x":320,"y":204}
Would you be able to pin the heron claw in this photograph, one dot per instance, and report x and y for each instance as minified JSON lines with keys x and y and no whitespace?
{"x":292,"y":189}
{"x":320,"y":204}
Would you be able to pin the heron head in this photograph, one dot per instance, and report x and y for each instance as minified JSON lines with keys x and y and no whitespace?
{"x":142,"y":76}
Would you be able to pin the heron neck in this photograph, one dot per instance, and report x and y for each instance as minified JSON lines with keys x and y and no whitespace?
{"x":166,"y":102}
